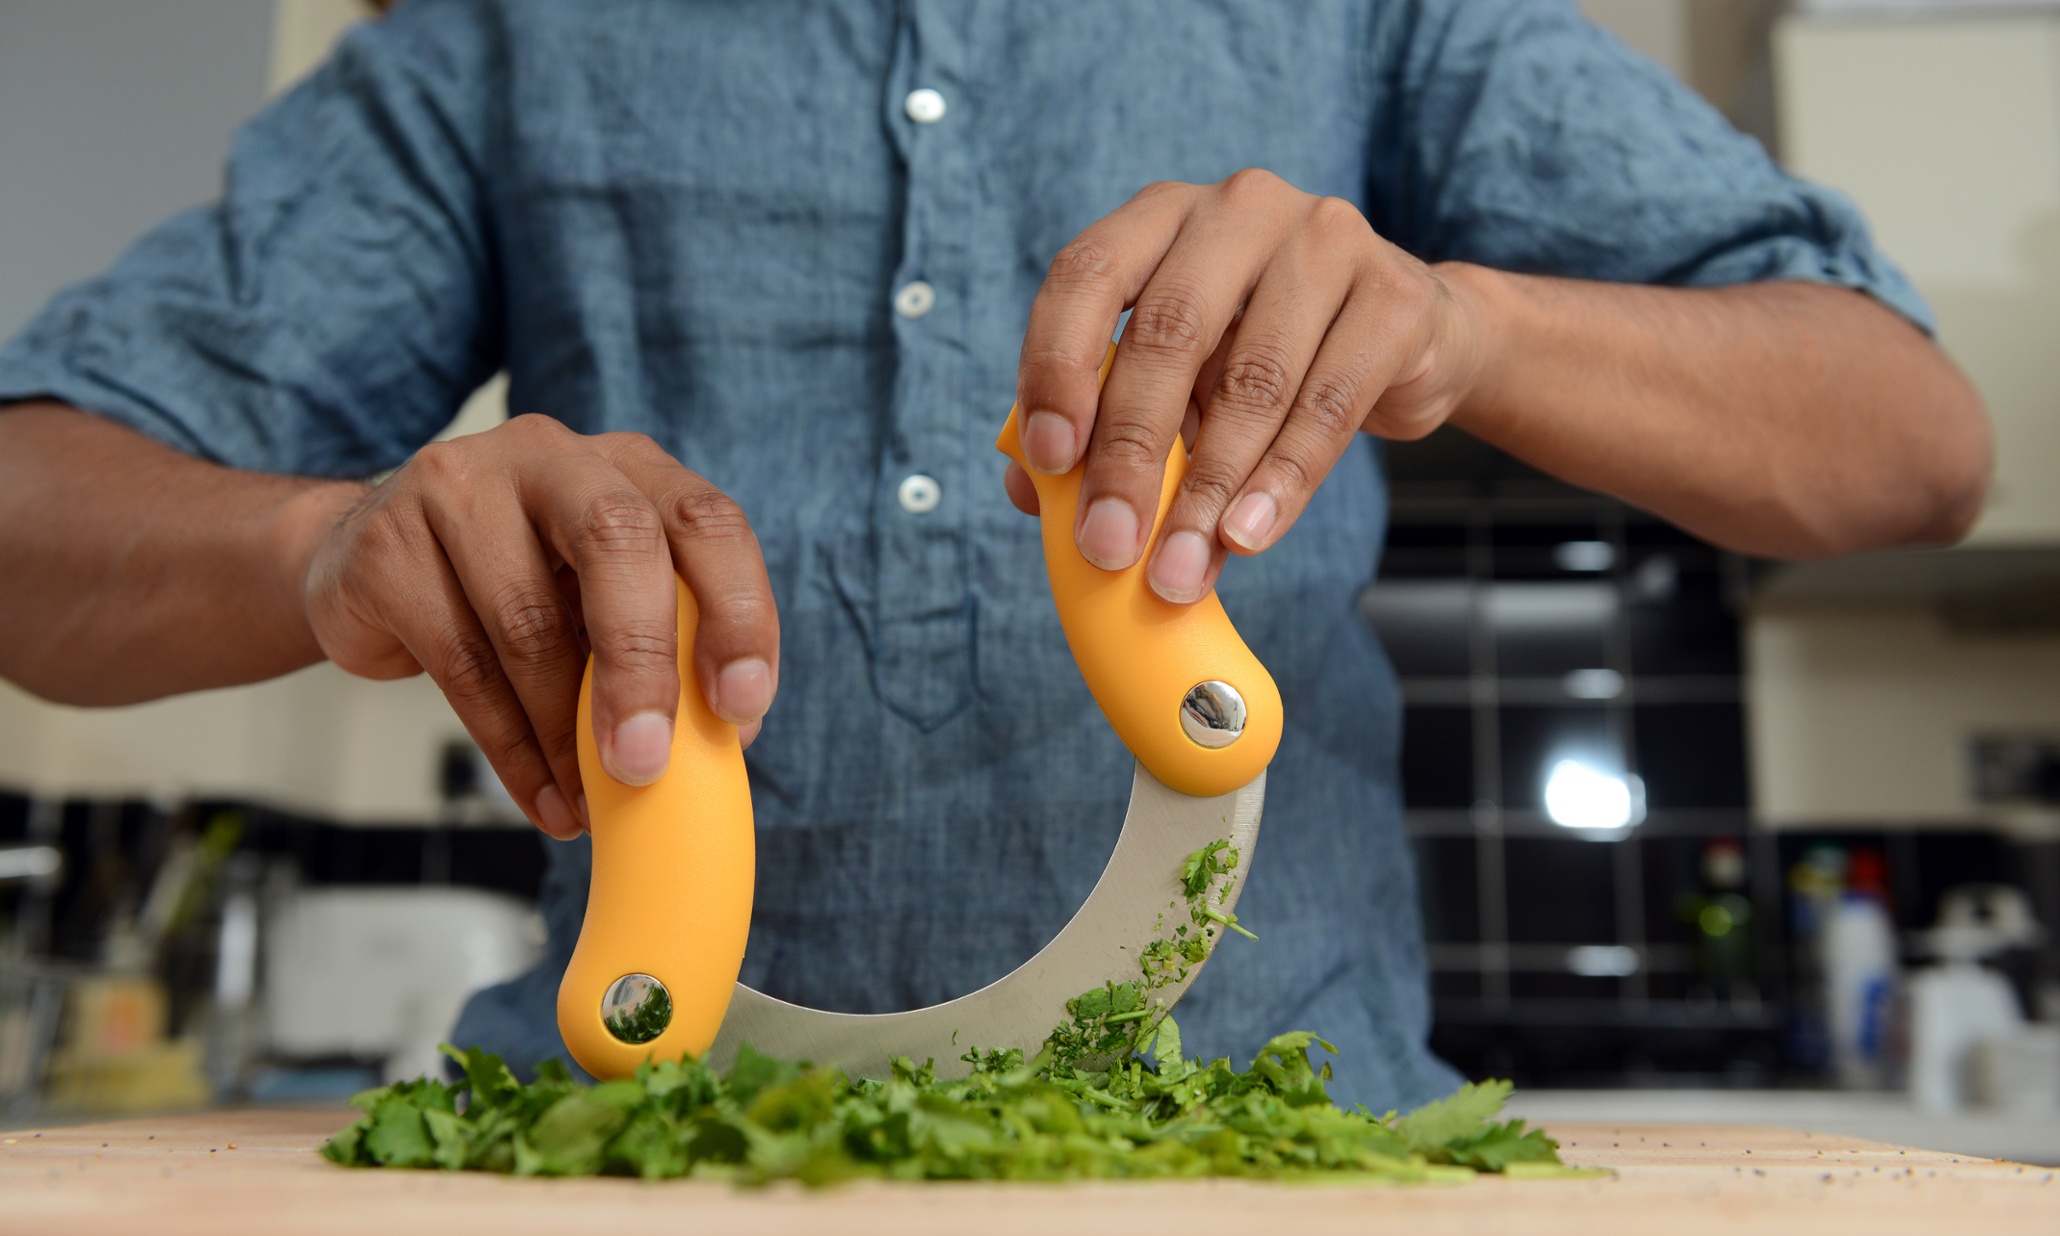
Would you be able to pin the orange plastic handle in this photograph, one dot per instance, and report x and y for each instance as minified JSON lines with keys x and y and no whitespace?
{"x":674,"y":866}
{"x":1141,"y":655}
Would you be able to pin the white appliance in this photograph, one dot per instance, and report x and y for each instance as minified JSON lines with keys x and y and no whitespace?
{"x":1959,"y":1005}
{"x":382,"y":972}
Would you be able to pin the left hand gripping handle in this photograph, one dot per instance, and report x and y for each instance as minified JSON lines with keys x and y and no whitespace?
{"x":670,"y":903}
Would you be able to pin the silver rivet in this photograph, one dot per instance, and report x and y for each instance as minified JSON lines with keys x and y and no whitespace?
{"x":915,"y":299}
{"x":636,"y":1008}
{"x":924,"y":106}
{"x":1213,"y":714}
{"x":919,"y":494}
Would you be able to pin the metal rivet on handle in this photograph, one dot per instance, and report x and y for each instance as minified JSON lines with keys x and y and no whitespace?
{"x":1213,"y":714}
{"x":636,"y":1008}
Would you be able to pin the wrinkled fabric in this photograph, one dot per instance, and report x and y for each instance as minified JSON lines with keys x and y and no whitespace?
{"x":689,"y":220}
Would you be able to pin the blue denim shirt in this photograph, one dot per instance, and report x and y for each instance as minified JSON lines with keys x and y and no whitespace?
{"x":690,"y":220}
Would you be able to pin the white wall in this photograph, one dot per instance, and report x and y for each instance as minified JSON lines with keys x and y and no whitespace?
{"x":113,"y":114}
{"x":1861,"y":715}
{"x":303,"y":31}
{"x":1657,"y":28}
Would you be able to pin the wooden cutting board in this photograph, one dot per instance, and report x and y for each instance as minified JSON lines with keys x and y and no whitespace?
{"x":228,"y":1173}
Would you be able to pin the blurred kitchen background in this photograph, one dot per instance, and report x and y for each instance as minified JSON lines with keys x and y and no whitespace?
{"x":1698,"y":837}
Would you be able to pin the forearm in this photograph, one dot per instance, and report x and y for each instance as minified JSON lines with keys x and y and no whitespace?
{"x":1779,"y":419}
{"x":133,"y":571}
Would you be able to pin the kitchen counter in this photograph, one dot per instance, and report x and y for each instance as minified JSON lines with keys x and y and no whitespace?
{"x":1882,"y":1117}
{"x":233,"y":1172}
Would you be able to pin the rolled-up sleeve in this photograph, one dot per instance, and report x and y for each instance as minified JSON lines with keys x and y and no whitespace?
{"x":1530,"y":140}
{"x":335,"y":307}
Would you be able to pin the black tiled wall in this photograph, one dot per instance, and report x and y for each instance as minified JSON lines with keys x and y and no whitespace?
{"x":1529,"y":623}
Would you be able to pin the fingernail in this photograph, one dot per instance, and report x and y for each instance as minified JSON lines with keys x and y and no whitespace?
{"x":1180,"y":567}
{"x":743,"y":691}
{"x":554,"y":815}
{"x":643,"y":746}
{"x":1108,"y":536}
{"x":1250,"y":521}
{"x":1049,"y":443}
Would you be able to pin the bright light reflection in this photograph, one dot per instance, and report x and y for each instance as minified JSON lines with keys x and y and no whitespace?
{"x":1584,"y":555}
{"x":30,"y":862}
{"x":1593,"y":684}
{"x":1602,"y":960}
{"x":1579,"y":795}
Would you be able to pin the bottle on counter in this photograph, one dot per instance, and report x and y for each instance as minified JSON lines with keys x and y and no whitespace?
{"x":1861,"y":968}
{"x":1719,"y":917}
{"x":1815,"y":884}
{"x":1960,"y":1006}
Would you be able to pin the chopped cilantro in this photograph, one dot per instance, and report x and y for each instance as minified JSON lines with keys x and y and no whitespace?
{"x":1109,"y":1095}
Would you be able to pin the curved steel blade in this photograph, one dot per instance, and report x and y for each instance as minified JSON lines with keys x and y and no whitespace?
{"x":1137,"y":900}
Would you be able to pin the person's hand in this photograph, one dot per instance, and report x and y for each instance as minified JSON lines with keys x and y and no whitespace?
{"x":1269,"y":325}
{"x":493,"y":562}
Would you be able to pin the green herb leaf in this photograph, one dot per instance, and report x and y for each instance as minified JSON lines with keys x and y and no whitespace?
{"x":397,"y":1137}
{"x":571,"y":1137}
{"x":1460,"y":1115}
{"x":1110,"y":1095}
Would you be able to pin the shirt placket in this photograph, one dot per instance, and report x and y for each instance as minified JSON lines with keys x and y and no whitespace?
{"x":923,"y":620}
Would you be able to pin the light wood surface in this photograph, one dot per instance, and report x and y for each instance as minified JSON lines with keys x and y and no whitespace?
{"x":228,"y":1173}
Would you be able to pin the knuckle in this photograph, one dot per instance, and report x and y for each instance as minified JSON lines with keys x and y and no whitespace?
{"x":1086,"y":260}
{"x":469,"y":671}
{"x":1297,"y":475}
{"x":442,"y":463}
{"x":1250,"y":184}
{"x":1040,"y":356}
{"x":1128,"y":446}
{"x":533,"y":627}
{"x":1170,"y":319}
{"x":629,"y":444}
{"x":1336,"y":215}
{"x":535,"y":427}
{"x":1331,"y":405}
{"x":617,"y":522}
{"x":1210,"y":484}
{"x":1256,"y":376}
{"x":637,"y":647}
{"x":703,"y":512}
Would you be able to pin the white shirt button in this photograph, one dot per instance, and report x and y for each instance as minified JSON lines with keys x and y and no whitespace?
{"x":919,"y":494}
{"x":915,"y":299}
{"x":924,"y":106}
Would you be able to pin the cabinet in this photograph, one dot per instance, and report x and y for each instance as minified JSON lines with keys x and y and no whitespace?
{"x":1947,"y":133}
